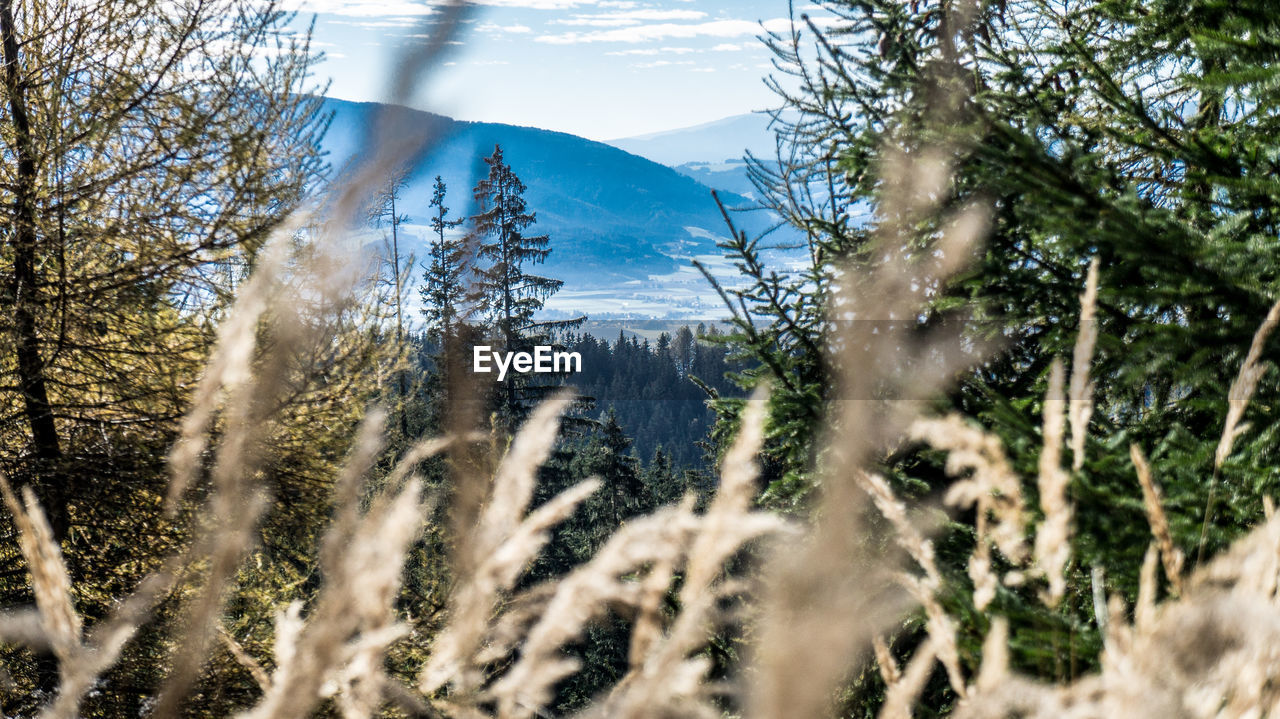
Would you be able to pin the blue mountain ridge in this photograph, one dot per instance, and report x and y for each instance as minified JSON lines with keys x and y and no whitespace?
{"x":613,"y":217}
{"x":727,"y":139}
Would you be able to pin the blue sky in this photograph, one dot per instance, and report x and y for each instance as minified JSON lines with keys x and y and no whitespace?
{"x":602,"y":69}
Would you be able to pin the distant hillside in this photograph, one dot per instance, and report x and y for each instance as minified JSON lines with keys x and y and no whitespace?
{"x":728,"y":176}
{"x":727,"y":139}
{"x":711,"y":153}
{"x":615,"y":219}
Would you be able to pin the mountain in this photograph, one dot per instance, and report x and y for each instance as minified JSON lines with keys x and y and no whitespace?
{"x":623,"y":228}
{"x":727,"y":176}
{"x":712,"y":153}
{"x":726,"y":139}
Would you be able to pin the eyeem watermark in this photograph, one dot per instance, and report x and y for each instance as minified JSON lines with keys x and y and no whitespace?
{"x":542,"y":360}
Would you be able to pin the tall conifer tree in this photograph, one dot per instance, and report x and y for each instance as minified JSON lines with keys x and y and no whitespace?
{"x":443,"y":291}
{"x":508,"y":294}
{"x":445,"y":308}
{"x":385,"y":212}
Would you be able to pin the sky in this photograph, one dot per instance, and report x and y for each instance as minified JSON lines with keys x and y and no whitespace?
{"x":601,"y":69}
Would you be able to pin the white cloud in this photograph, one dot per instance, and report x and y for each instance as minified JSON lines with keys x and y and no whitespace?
{"x":662,"y":31}
{"x":494,"y":28}
{"x":361,"y":8}
{"x":534,"y":4}
{"x":382,"y":8}
{"x":728,"y":47}
{"x":629,"y":17}
{"x":596,"y":21}
{"x":661,"y":63}
{"x":654,"y":51}
{"x":388,"y":22}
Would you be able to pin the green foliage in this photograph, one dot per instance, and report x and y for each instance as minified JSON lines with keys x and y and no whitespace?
{"x":629,"y":490}
{"x":137,"y":193}
{"x":507,"y":294}
{"x":443,"y":290}
{"x":658,"y":390}
{"x":1138,"y":133}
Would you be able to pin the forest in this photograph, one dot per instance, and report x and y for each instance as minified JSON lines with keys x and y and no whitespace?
{"x":1007,"y":448}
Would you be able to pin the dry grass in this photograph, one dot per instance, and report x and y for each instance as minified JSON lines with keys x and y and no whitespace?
{"x":337,"y":649}
{"x":989,"y":485}
{"x":1209,"y":651}
{"x":1169,"y":553}
{"x":819,"y":607}
{"x":1081,"y":358}
{"x":1212,"y":653}
{"x":56,"y":625}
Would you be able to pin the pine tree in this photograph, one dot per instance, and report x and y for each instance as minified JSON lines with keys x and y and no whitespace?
{"x":384,"y":212}
{"x":443,"y":291}
{"x":508,"y":295}
{"x":444,"y":306}
{"x":611,"y":460}
{"x":1178,"y":206}
{"x":1133,"y":132}
{"x":684,"y":348}
{"x":660,"y":483}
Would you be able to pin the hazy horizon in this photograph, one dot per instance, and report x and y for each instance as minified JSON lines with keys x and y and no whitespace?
{"x":600,"y":69}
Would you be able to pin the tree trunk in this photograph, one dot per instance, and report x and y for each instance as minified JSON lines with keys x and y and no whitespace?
{"x":395,"y":261}
{"x":23,"y":288}
{"x":46,"y":475}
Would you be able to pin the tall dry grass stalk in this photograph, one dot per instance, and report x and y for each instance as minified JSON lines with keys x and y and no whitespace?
{"x":1211,"y":653}
{"x":1170,"y":555}
{"x":902,"y":694}
{"x":829,"y":597}
{"x":1238,"y":398}
{"x":636,"y":569}
{"x":991,"y":488}
{"x":56,"y":625}
{"x":666,"y":674}
{"x":1081,"y":408}
{"x":819,"y":606}
{"x":1053,"y":539}
{"x":1243,"y":388}
{"x":336,"y":650}
{"x":827,"y":601}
